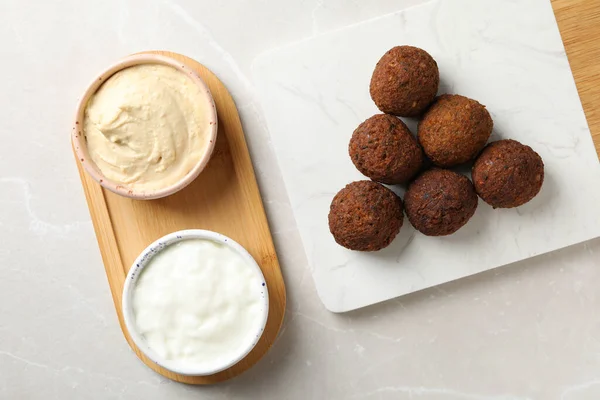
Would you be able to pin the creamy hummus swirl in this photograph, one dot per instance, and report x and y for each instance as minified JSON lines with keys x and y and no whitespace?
{"x":147,"y":126}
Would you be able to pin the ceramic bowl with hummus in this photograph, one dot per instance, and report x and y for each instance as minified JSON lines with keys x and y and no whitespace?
{"x":146,"y":127}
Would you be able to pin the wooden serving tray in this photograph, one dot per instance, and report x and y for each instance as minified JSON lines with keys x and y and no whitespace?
{"x":224,"y":198}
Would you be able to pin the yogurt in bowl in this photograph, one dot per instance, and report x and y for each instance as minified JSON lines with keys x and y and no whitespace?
{"x":195,"y":302}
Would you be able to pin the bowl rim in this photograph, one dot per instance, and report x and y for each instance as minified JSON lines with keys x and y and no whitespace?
{"x":78,"y":137}
{"x":142,"y":261}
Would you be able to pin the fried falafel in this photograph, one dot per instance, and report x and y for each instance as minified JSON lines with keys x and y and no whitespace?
{"x":439,"y":202}
{"x":508,"y":174}
{"x":365,"y":216}
{"x":454,"y":130}
{"x":383,"y":149}
{"x":405,"y":81}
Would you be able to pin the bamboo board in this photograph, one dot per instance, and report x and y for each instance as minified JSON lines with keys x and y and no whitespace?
{"x":225,"y":198}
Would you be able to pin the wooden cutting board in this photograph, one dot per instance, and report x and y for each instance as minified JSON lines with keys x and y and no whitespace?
{"x":579,"y":24}
{"x":225,"y":198}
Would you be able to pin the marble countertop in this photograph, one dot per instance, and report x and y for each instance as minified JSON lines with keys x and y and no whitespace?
{"x":527,"y":331}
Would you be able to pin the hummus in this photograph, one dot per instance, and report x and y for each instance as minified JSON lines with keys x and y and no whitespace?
{"x":146,"y":127}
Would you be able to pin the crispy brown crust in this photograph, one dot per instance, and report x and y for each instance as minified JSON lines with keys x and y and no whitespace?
{"x":508,"y":174}
{"x":365,"y":216}
{"x":439,"y":202}
{"x":383,"y":149}
{"x":405,"y":81}
{"x":454,"y":130}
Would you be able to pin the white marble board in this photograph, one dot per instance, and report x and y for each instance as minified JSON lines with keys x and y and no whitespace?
{"x":315,"y":92}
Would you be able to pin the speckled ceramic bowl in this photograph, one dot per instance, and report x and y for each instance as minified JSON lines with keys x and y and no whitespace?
{"x":144,"y":259}
{"x":79,"y":141}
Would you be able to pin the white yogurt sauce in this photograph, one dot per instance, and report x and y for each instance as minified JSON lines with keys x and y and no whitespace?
{"x":198,"y":304}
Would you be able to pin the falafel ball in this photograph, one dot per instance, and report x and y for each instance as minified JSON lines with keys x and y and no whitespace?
{"x":508,"y":174}
{"x":365,"y":216}
{"x":405,"y":81}
{"x":383,"y":149}
{"x":454,"y":130}
{"x":439,"y":202}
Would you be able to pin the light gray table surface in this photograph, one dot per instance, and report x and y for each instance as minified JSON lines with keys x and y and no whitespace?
{"x":526,"y":331}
